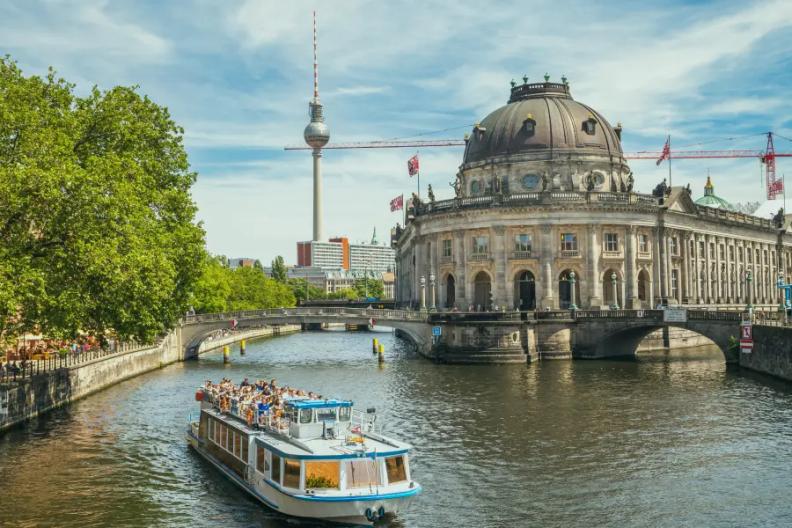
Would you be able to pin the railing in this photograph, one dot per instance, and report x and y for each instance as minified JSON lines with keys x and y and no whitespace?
{"x":447,"y":259}
{"x":13,"y":371}
{"x":520,"y":255}
{"x":277,"y":313}
{"x":479,"y":256}
{"x":568,"y":253}
{"x":612,"y":254}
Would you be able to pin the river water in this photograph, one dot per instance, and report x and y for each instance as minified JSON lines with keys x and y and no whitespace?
{"x":661,"y":441}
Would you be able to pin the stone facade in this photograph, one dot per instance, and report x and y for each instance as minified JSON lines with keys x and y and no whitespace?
{"x":545,"y":217}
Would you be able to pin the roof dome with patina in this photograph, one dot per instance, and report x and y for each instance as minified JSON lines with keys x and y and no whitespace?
{"x":542,"y":119}
{"x":711,"y":200}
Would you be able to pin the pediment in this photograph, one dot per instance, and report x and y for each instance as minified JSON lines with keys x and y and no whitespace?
{"x":679,"y":200}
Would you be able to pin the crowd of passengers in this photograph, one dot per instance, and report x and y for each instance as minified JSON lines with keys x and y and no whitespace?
{"x":260,"y":402}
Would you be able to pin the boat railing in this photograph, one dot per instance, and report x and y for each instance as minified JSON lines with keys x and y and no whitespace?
{"x":364,"y":422}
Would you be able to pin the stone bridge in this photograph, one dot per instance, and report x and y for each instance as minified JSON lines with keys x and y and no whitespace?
{"x":410,"y":324}
{"x":491,"y":337}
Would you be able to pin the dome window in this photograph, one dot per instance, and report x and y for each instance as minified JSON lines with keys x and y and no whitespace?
{"x":478,"y":131}
{"x":529,"y":125}
{"x":590,"y":125}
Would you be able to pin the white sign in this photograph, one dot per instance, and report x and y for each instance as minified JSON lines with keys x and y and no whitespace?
{"x":675,"y":315}
{"x":746,"y":347}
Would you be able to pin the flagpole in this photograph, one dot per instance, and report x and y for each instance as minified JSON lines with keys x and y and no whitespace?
{"x":670,"y":181}
{"x":418,"y":173}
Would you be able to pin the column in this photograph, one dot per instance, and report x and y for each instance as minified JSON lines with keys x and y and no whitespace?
{"x":547,"y":250}
{"x":631,"y":300}
{"x":707,"y":271}
{"x":459,"y":271}
{"x":593,"y":270}
{"x":719,"y":268}
{"x":684,"y":288}
{"x":657,"y":269}
{"x":419,"y":270}
{"x":499,"y":280}
{"x":667,"y":234}
{"x":697,"y":268}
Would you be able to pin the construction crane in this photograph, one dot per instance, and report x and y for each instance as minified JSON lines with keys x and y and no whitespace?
{"x":767,"y":156}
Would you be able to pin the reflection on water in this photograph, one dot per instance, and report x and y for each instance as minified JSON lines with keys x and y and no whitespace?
{"x":665,"y":440}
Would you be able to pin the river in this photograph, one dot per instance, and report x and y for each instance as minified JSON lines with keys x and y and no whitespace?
{"x":672,"y":441}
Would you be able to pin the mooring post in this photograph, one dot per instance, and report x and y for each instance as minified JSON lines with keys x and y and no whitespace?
{"x":226,"y":354}
{"x":242,"y":348}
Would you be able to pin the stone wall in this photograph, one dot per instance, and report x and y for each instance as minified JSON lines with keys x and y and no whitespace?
{"x":772,"y":352}
{"x":27,"y":398}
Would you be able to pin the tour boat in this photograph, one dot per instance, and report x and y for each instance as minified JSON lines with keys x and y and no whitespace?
{"x":315,"y":458}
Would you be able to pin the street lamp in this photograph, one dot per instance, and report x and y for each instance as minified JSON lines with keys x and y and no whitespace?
{"x":432,"y":290}
{"x":423,"y":292}
{"x":749,"y":279}
{"x":615,"y":304}
{"x":572,"y":305}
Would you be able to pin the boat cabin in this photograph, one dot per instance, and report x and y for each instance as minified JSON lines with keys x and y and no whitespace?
{"x":318,"y":418}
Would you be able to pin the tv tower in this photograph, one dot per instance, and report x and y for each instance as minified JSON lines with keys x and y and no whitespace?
{"x":316,"y":134}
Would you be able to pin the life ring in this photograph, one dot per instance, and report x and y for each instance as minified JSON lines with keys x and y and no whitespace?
{"x":381,"y":511}
{"x":370,"y":515}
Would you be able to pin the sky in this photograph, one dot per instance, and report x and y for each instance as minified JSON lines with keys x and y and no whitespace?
{"x":237,"y":75}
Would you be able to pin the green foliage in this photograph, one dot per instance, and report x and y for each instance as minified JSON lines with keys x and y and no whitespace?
{"x":97,"y":227}
{"x":222,"y":289}
{"x":279,"y":269}
{"x":298,"y":288}
{"x":375,"y":287}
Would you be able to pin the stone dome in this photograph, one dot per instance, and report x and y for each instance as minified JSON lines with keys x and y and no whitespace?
{"x":541,"y":120}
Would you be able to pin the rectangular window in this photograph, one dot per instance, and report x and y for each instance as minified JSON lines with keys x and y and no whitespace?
{"x":224,"y":436}
{"x":701,"y":249}
{"x":673,"y":244}
{"x":276,"y":468}
{"x":396,"y":470}
{"x":722,"y":252}
{"x":210,"y":431}
{"x":643,"y":243}
{"x":569,"y":242}
{"x":675,"y":284}
{"x":218,"y":427}
{"x":291,"y":473}
{"x":447,"y":248}
{"x":611,"y":242}
{"x":731,"y":253}
{"x":261,"y":460}
{"x":237,"y":445}
{"x":322,"y":474}
{"x":480,"y":245}
{"x":523,"y":243}
{"x":245,"y":442}
{"x":362,"y":473}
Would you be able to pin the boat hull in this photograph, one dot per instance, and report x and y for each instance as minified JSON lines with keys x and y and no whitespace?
{"x":359,"y":510}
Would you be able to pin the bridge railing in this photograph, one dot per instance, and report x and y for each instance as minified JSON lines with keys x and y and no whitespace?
{"x":372,"y":313}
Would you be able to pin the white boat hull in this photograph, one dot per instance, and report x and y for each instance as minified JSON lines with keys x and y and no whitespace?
{"x":347,"y":509}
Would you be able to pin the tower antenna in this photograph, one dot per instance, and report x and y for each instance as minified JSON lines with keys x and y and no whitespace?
{"x":316,"y":62}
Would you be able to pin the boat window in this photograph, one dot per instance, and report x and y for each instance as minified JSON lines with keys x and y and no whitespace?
{"x":396,"y":470}
{"x":245,"y":448}
{"x":305,"y":415}
{"x":276,"y":473}
{"x":217,"y":433}
{"x":210,"y":430}
{"x":237,"y":444}
{"x":326,"y":474}
{"x":362,"y":473}
{"x":261,"y":460}
{"x":224,"y":436}
{"x":344,"y":413}
{"x":326,"y":415}
{"x":291,"y":473}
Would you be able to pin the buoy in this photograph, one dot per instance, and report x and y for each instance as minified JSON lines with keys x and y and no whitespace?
{"x":374,"y":345}
{"x":381,"y":355}
{"x":242,"y":348}
{"x":226,"y":354}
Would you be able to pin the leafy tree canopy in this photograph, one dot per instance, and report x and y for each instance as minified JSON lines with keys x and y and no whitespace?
{"x":279,"y":269}
{"x":97,"y":228}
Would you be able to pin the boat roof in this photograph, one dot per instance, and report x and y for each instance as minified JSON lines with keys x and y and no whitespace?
{"x":320,"y":448}
{"x":317,"y":404}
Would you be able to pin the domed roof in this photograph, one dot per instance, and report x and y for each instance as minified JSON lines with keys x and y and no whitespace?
{"x":542,"y":117}
{"x":710,"y":200}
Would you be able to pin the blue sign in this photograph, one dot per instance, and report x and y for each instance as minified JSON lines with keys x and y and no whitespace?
{"x":436,"y":331}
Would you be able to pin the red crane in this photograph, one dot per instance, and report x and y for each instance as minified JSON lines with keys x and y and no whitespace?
{"x":775,"y":186}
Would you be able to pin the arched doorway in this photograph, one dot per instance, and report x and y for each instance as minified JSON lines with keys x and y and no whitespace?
{"x":450,"y":291}
{"x":565,"y":291}
{"x":482,"y":287}
{"x":525,"y":291}
{"x":643,"y":287}
{"x":607,"y":288}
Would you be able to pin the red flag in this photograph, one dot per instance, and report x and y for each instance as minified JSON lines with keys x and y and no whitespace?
{"x":666,"y":154}
{"x":397,"y":204}
{"x":412,"y":165}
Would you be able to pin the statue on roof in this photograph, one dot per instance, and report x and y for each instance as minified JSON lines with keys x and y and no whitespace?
{"x":545,"y":182}
{"x":457,"y":185}
{"x":661,"y":190}
{"x":630,"y":182}
{"x":431,"y":194}
{"x":778,"y":219}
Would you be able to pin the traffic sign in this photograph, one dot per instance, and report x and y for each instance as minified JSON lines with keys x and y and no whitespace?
{"x":437,"y":331}
{"x":746,"y":332}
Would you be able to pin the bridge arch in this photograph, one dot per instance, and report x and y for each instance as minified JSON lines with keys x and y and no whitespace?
{"x":600,"y":339}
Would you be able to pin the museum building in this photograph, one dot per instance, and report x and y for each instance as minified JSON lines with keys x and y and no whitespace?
{"x":545,"y":217}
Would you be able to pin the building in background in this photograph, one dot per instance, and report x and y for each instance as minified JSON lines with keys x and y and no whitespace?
{"x":339,"y":254}
{"x":324,"y":255}
{"x":333,"y":281}
{"x":235,"y":263}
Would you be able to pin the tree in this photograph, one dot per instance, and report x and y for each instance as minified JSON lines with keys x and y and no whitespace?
{"x":257,"y":265}
{"x":252,"y":290}
{"x":97,"y":228}
{"x":279,"y":269}
{"x":300,"y":286}
{"x":375,"y":287}
{"x":213,"y":289}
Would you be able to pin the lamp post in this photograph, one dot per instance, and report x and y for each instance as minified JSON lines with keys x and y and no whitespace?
{"x":786,"y":297}
{"x":749,"y":280}
{"x":423,"y":292}
{"x":572,"y":305}
{"x":615,"y":304}
{"x":432,"y":287}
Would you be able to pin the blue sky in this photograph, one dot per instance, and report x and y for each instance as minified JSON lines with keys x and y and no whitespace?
{"x":237,"y":76}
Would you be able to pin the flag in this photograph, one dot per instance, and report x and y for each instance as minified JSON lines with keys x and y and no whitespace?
{"x":666,"y":154}
{"x":412,"y":165}
{"x":397,"y":204}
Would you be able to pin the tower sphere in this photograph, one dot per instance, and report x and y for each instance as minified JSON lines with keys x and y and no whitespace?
{"x":316,"y":134}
